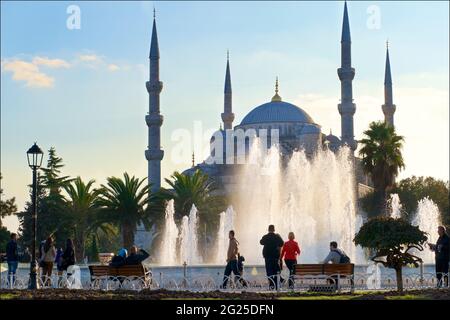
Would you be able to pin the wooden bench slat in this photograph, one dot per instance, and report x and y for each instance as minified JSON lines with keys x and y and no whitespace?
{"x":123,"y":271}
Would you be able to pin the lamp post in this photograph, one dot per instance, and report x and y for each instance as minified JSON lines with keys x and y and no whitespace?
{"x":34,"y":156}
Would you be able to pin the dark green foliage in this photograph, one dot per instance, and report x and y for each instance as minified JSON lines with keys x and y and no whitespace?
{"x":391,"y":240}
{"x":7,"y":207}
{"x":122,"y":203}
{"x":413,"y":189}
{"x":381,"y":159}
{"x":4,"y":238}
{"x":189,"y":190}
{"x":93,"y":250}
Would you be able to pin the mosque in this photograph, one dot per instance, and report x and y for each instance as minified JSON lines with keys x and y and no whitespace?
{"x":294,"y":126}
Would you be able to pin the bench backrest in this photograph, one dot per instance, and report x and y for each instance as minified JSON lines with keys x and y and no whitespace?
{"x":308,"y":269}
{"x":123,"y":271}
{"x":325,"y":269}
{"x":339,"y":268}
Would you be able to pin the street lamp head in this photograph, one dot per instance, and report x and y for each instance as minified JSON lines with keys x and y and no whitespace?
{"x":35,"y":155}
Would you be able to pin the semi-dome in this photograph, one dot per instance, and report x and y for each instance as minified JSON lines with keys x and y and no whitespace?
{"x":276,"y":111}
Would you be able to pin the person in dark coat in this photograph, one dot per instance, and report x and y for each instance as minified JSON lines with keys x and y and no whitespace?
{"x":272,"y":243}
{"x":12,"y":257}
{"x":442,"y":255}
{"x":68,"y":257}
{"x":119,"y":259}
{"x":136,"y":256}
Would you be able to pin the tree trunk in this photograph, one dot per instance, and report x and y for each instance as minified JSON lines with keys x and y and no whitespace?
{"x":79,"y":243}
{"x":127,"y":236}
{"x":398,"y":274}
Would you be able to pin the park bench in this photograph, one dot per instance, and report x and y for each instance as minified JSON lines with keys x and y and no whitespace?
{"x":130,"y":272}
{"x":332,"y":272}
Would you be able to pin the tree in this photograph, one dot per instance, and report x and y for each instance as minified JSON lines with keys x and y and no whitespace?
{"x":5,"y":236}
{"x":189,"y":190}
{"x":392,"y":240}
{"x":81,"y":213}
{"x":122,"y":203}
{"x":7,"y":207}
{"x":413,"y":189}
{"x":381,"y":159}
{"x":50,"y":205}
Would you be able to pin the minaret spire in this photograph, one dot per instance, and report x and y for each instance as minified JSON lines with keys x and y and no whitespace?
{"x":388,"y":107}
{"x":227,"y":115}
{"x":154,"y":119}
{"x":346,"y":74}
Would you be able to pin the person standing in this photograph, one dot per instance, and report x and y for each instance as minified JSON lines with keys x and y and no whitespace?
{"x":442,"y":255}
{"x":290,"y":252}
{"x":12,"y":258}
{"x":272,"y":243}
{"x":232,"y":261}
{"x":47,"y":259}
{"x":68,"y":256}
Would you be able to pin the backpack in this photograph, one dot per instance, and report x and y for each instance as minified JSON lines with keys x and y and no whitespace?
{"x":344,"y":258}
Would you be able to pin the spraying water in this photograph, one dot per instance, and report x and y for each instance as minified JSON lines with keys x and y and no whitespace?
{"x":226,"y":224}
{"x":188,"y":238}
{"x":427,"y":218}
{"x":312,"y":196}
{"x":169,"y":240}
{"x":395,"y":206}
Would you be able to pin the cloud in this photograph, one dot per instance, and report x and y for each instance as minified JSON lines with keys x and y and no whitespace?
{"x":28,"y":72}
{"x":113,"y":67}
{"x":90,"y":58}
{"x":51,"y":63}
{"x":421,"y":117}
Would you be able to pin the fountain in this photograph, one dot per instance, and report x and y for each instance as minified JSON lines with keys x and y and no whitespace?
{"x":313,"y":196}
{"x":395,"y":206}
{"x":169,"y":239}
{"x":188,"y":238}
{"x":310,"y":195}
{"x":427,"y":218}
{"x":225,"y":225}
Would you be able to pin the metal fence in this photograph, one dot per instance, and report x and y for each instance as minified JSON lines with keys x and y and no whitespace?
{"x":313,"y":283}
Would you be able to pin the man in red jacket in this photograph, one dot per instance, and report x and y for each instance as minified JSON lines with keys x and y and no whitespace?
{"x":290,"y":252}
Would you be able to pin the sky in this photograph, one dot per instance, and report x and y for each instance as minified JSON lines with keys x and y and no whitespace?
{"x":77,"y":82}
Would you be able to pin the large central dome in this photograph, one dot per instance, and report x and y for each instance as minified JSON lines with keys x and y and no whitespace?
{"x":276,"y":111}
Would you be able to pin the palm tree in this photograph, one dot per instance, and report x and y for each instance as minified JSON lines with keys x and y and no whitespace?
{"x":122,"y":203}
{"x":81,"y":213}
{"x":382,"y":158}
{"x":189,"y":190}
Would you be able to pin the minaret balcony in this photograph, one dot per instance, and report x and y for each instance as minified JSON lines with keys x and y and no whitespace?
{"x":154,"y":86}
{"x":154,"y":154}
{"x":388,"y":109}
{"x":227,"y":117}
{"x":347,"y":108}
{"x":154,"y":119}
{"x":346,"y":73}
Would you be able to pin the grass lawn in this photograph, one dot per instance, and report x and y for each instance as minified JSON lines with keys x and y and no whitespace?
{"x":64,"y":294}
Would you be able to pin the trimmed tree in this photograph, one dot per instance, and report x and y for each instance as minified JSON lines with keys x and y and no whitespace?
{"x":392,"y":240}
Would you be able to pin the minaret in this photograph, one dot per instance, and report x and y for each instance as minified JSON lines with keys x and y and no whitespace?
{"x":154,"y":119}
{"x":388,"y":107}
{"x":346,"y":74}
{"x":227,"y":115}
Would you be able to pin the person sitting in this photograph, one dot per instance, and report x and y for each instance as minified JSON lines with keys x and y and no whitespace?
{"x":136,"y":256}
{"x":119,"y":259}
{"x":336,"y":255}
